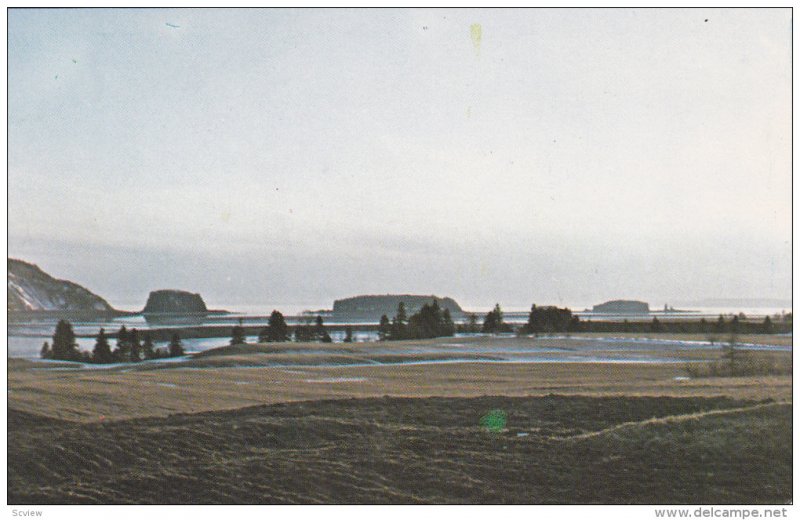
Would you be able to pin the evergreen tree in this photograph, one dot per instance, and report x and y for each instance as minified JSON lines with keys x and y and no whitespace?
{"x":123,"y":350}
{"x":766,"y":327}
{"x":424,"y":324}
{"x":348,"y":334}
{"x":703,"y":325}
{"x":399,"y":323}
{"x":278,"y":330}
{"x":175,"y":346}
{"x":384,"y":328}
{"x":319,"y":329}
{"x":148,"y":348}
{"x":237,"y":335}
{"x":735,"y":324}
{"x":135,"y":346}
{"x":64,"y":345}
{"x":448,"y":328}
{"x":46,"y":353}
{"x":493,"y":322}
{"x":326,"y":338}
{"x":102,"y":350}
{"x":402,"y":317}
{"x":720,"y":327}
{"x":304,"y":333}
{"x":655,"y":326}
{"x":472,"y":323}
{"x":429,"y":322}
{"x":263,"y":336}
{"x":550,"y":319}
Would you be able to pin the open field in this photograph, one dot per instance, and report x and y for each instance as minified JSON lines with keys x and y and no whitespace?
{"x":555,"y":449}
{"x":355,"y":424}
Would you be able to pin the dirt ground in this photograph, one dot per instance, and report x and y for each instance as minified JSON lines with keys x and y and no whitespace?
{"x":224,"y":428}
{"x":547,"y":450}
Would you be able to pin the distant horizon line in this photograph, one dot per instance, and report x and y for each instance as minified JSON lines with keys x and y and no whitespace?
{"x":298,"y":308}
{"x":702,"y":302}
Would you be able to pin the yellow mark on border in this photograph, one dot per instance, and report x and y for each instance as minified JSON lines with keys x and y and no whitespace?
{"x":475,"y":32}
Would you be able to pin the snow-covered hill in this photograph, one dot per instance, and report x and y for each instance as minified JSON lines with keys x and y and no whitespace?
{"x":31,"y":289}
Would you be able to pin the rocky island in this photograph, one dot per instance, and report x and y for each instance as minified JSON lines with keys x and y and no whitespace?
{"x":372,"y":307}
{"x":173,"y":301}
{"x":622,"y":307}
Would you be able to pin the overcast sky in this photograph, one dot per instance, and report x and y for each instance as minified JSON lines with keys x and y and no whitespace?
{"x":297,"y":156}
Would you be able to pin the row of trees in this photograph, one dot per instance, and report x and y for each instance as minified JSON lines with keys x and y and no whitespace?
{"x":316,"y":332}
{"x":550,"y":319}
{"x":720,"y":326}
{"x":277,"y":331}
{"x":429,"y":322}
{"x":129,"y":348}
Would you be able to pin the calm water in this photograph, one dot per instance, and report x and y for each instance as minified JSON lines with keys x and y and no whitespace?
{"x":506,"y":349}
{"x":29,"y":346}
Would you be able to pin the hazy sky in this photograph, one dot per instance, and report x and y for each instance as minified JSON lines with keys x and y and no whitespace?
{"x":297,"y":156}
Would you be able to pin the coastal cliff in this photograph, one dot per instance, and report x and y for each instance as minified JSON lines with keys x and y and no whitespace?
{"x":32,"y":290}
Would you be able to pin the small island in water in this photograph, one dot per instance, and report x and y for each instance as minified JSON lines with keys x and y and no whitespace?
{"x":372,"y":307}
{"x":622,"y":307}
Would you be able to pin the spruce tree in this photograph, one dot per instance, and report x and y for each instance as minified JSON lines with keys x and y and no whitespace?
{"x":278,"y":330}
{"x":175,"y":346}
{"x":304,"y":333}
{"x":319,"y":329}
{"x":46,"y":353}
{"x":494,"y":320}
{"x":102,"y":350}
{"x":735,"y":325}
{"x":472,"y":323}
{"x":655,"y":326}
{"x":720,"y":327}
{"x":123,"y":350}
{"x":448,"y":328}
{"x":399,"y":323}
{"x":135,"y":346}
{"x":237,"y":335}
{"x":402,"y":317}
{"x":64,"y":345}
{"x":148,"y":348}
{"x":766,"y":327}
{"x":384,"y":328}
{"x":348,"y":334}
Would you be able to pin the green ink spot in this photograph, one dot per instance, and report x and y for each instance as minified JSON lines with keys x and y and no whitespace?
{"x":494,"y":421}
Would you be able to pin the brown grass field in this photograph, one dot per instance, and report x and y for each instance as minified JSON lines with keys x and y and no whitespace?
{"x":222,"y":428}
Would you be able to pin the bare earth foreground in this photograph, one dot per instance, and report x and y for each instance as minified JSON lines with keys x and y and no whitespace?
{"x":230,"y":426}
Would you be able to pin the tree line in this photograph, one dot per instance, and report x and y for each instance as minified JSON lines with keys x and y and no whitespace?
{"x":431,"y":321}
{"x":733,"y":325}
{"x":278,"y":331}
{"x":130,"y":347}
{"x":550,"y":319}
